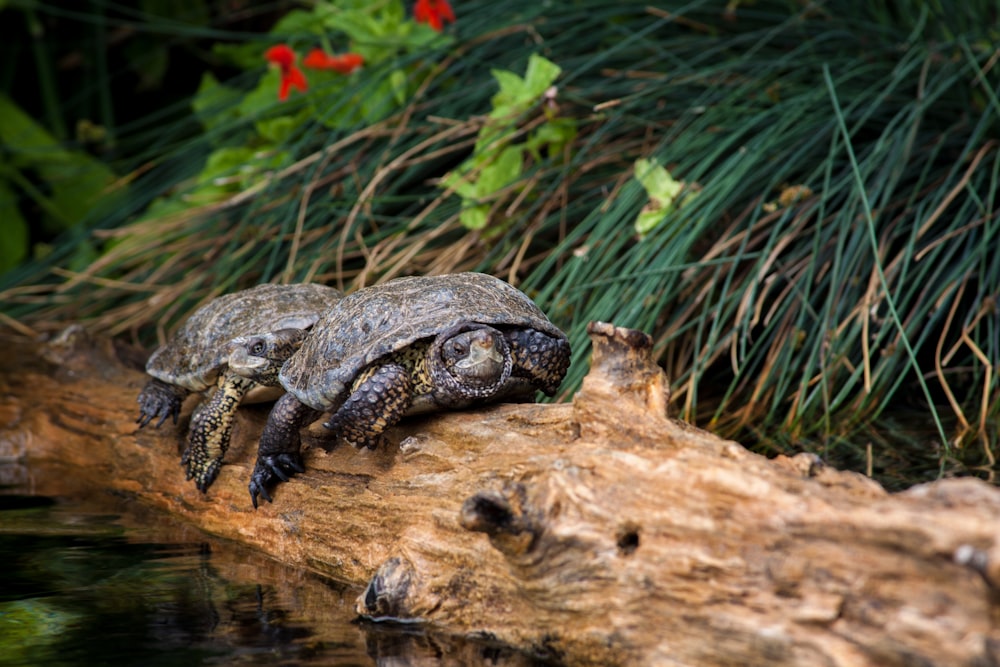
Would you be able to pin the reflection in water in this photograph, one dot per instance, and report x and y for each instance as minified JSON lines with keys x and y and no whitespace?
{"x":88,"y":588}
{"x":408,"y":646}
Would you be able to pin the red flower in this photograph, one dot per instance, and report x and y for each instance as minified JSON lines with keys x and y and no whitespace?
{"x":434,"y":13}
{"x":345,"y":64}
{"x":291,"y":76}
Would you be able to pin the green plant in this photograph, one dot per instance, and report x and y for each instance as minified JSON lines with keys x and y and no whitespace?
{"x":663,"y":191}
{"x":42,"y":179}
{"x":272,"y":121}
{"x":824,"y":203}
{"x":498,"y":160}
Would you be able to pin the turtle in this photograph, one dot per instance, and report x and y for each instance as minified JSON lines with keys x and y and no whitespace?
{"x":262,"y":326}
{"x":410,"y":345}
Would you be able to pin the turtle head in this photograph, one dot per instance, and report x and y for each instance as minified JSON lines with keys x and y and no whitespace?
{"x":260,"y":357}
{"x":469,"y":361}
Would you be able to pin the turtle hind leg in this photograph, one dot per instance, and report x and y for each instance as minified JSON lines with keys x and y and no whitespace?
{"x":379,"y":399}
{"x":211,"y":429}
{"x":278,"y":456}
{"x":160,"y":399}
{"x":541,"y":358}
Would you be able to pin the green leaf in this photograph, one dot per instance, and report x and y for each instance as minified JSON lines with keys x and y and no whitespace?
{"x":378,"y":31}
{"x":214,"y":104}
{"x":231,"y":169}
{"x":662,"y":190}
{"x":224,"y":162}
{"x":495,"y":164}
{"x":280,"y":129}
{"x":659,"y":184}
{"x":648,"y":219}
{"x":264,"y":97}
{"x":74,"y":182}
{"x":164,"y":207}
{"x":420,"y":37}
{"x":297,"y":22}
{"x":552,"y":136}
{"x":459,"y":181}
{"x":511,"y":96}
{"x":517,"y":94}
{"x":474,"y":217}
{"x":400,"y":86}
{"x":503,"y":171}
{"x":360,"y":26}
{"x":389,"y":12}
{"x":541,"y":74}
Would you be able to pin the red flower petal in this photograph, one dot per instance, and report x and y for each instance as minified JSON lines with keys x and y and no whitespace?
{"x":280,"y":54}
{"x":445,"y":11}
{"x":317,"y":59}
{"x":283,"y":89}
{"x":345,"y":64}
{"x":295,"y":79}
{"x":291,"y":76}
{"x":433,"y":13}
{"x":422,"y":11}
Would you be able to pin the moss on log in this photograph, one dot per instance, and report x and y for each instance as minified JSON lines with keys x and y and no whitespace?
{"x":596,"y":532}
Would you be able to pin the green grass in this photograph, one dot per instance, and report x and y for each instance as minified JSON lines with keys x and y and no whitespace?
{"x":838,"y":259}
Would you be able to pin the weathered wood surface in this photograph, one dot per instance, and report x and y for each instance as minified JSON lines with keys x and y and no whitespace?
{"x":598,"y":531}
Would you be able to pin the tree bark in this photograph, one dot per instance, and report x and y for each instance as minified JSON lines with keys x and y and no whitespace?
{"x":597,"y":532}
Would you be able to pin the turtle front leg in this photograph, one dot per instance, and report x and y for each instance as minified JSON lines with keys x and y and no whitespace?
{"x":379,"y":399}
{"x":159,"y":399}
{"x":211,"y":428}
{"x":539,"y":357}
{"x":278,"y":456}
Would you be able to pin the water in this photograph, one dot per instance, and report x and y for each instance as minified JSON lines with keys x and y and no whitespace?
{"x":85,"y":586}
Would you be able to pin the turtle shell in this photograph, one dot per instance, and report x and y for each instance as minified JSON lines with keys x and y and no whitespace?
{"x":379,"y":320}
{"x":193,"y":357}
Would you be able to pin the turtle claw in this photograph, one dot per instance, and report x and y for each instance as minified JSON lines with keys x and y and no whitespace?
{"x":258,"y":489}
{"x":207,"y":476}
{"x":148,"y":413}
{"x":159,"y":399}
{"x":204,"y":475}
{"x":270,"y":470}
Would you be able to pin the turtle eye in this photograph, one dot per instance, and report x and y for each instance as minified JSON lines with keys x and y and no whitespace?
{"x":257,"y":348}
{"x":458,"y":348}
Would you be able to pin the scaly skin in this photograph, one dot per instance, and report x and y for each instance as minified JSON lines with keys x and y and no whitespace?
{"x":211,"y":428}
{"x":539,"y":357}
{"x":159,"y":399}
{"x":278,"y":456}
{"x":376,"y":403}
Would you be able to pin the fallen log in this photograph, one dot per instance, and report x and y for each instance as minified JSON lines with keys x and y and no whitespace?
{"x":595,"y":532}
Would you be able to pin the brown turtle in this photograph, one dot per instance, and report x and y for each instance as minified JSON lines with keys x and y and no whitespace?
{"x":263,"y":326}
{"x":409,"y":345}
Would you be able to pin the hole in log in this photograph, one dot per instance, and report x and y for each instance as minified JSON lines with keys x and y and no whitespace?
{"x":486,"y":512}
{"x":628,"y":539}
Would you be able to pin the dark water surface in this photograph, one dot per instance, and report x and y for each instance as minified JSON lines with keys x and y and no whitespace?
{"x":82,"y":585}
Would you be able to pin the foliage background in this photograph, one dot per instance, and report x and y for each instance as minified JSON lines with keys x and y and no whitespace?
{"x":828,"y":252}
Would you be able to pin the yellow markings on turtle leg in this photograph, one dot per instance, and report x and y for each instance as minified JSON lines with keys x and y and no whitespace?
{"x":211,"y":429}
